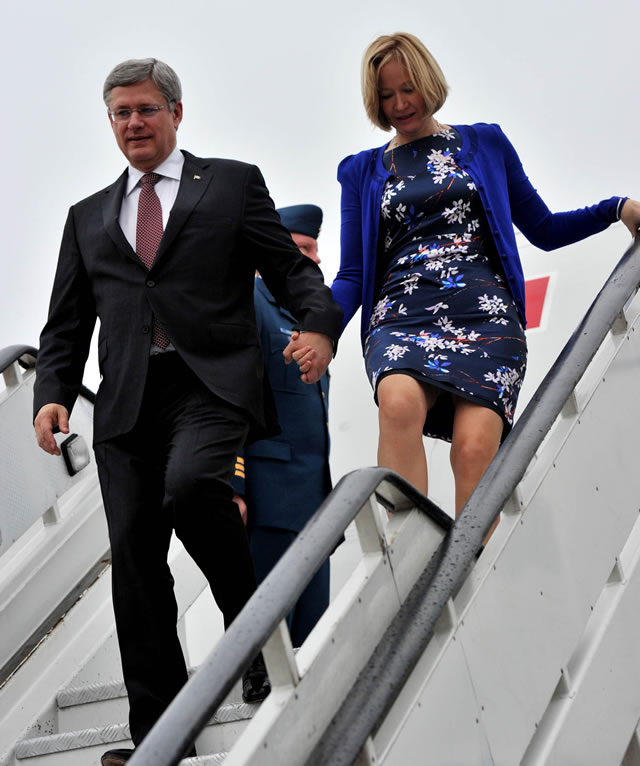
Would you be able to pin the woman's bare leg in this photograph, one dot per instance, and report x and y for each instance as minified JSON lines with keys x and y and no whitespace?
{"x":477,"y":431}
{"x":402,"y":408}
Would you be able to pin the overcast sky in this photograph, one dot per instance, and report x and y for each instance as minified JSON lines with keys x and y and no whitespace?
{"x":277,"y":84}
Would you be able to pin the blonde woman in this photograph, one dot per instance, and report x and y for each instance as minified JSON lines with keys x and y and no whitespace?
{"x":428,"y":251}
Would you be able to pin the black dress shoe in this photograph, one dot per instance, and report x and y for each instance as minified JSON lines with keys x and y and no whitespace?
{"x":116,"y":757}
{"x":255,"y":681}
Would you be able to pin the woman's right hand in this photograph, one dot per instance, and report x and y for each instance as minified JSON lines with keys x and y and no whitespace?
{"x":630,"y":216}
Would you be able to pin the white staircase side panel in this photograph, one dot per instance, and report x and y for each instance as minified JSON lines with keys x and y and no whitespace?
{"x":30,"y":480}
{"x":552,"y":573}
{"x":29,"y":483}
{"x":461,"y":738}
{"x":524,"y":610}
{"x":52,"y":528}
{"x":602,"y":689}
{"x":42,"y":578}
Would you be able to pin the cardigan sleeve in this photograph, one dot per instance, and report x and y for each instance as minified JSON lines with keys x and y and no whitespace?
{"x":539,"y":225}
{"x":347,"y":285}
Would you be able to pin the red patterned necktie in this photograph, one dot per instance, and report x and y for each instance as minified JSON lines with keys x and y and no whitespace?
{"x":148,"y":236}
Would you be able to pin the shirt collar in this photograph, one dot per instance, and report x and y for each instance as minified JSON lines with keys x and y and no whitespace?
{"x":169,"y":168}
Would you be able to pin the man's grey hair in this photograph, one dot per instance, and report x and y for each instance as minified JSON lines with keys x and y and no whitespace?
{"x":134,"y":71}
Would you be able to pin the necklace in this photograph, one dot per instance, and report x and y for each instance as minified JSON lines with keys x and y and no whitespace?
{"x":393,"y":144}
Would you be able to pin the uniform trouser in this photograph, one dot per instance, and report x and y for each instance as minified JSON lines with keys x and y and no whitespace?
{"x":171,"y":472}
{"x":268,"y":545}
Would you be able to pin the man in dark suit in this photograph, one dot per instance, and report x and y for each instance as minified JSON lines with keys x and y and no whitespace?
{"x":165,"y":257}
{"x":282,"y":480}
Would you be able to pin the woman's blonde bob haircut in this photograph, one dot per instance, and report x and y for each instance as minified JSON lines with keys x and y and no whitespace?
{"x":424,"y":73}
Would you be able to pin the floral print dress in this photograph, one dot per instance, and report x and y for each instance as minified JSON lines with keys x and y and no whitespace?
{"x":444,"y":314}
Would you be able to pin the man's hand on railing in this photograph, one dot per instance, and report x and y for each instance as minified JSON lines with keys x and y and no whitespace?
{"x":630,"y":216}
{"x":49,"y":417}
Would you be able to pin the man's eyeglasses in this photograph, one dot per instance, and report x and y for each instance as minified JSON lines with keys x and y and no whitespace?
{"x":146,"y":112}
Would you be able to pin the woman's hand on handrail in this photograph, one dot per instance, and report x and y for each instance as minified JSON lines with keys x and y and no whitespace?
{"x":630,"y":216}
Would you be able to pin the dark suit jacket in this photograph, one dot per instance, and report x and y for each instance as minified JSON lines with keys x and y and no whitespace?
{"x":286,"y":477}
{"x":222,"y":227}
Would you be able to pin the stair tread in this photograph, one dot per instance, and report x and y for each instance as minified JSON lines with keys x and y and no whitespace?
{"x":71,"y":740}
{"x":87,"y":693}
{"x":99,"y":691}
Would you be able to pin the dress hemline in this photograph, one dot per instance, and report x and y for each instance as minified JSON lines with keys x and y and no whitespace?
{"x":443,"y":409}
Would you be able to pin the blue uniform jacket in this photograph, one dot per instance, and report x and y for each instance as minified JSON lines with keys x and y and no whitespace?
{"x":287,"y":476}
{"x":507,"y":196}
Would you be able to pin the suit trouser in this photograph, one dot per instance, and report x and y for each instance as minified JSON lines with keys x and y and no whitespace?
{"x":268,"y":545}
{"x":171,"y":472}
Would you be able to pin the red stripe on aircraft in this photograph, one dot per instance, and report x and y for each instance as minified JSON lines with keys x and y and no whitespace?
{"x":535,"y":294}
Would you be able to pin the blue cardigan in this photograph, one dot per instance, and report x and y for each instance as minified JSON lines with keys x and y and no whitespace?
{"x":507,"y":197}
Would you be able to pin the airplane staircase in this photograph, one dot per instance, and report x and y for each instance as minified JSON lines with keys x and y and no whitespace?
{"x":527,"y":655}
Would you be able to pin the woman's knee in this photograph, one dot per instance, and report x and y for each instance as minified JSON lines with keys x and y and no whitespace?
{"x":473,"y":449}
{"x":477,"y":431}
{"x":402,"y":403}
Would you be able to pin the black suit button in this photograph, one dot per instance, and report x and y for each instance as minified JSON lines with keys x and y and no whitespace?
{"x":150,"y":283}
{"x":145,"y":329}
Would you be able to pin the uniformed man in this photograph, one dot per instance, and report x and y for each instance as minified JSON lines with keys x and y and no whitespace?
{"x":281,"y":481}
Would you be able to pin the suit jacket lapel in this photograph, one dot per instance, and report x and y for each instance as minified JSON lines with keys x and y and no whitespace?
{"x":196,"y":176}
{"x":111,"y":205}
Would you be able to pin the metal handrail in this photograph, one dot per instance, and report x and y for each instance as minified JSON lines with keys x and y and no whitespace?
{"x":395,"y":657}
{"x":26,"y":357}
{"x":175,"y":732}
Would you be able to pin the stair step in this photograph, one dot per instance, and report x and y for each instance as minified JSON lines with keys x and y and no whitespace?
{"x":73,"y":748}
{"x":90,"y":756}
{"x":83,"y":747}
{"x":80,"y":706}
{"x":226,"y":727}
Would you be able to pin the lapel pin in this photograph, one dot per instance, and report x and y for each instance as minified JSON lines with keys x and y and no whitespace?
{"x":196,"y":178}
